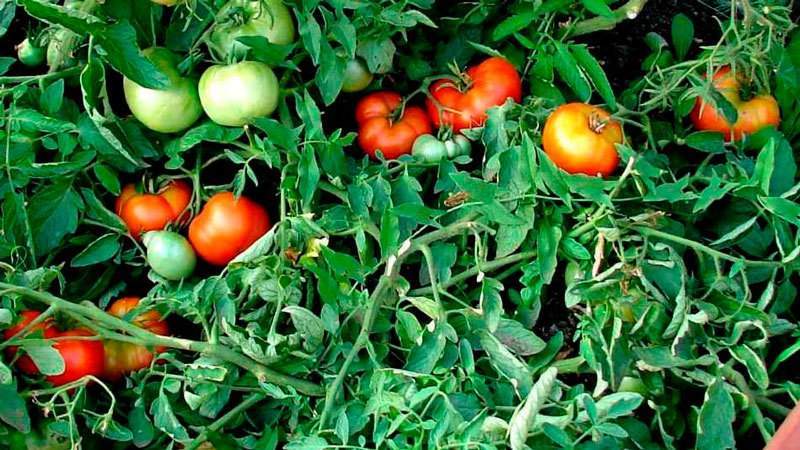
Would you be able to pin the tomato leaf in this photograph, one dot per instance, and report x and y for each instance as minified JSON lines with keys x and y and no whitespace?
{"x":100,"y":250}
{"x":569,"y":71}
{"x":13,"y":409}
{"x":595,"y":73}
{"x":682,"y":34}
{"x":598,"y":7}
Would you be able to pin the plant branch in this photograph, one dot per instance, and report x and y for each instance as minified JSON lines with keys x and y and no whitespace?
{"x":217,"y":425}
{"x":629,"y":10}
{"x":467,"y":274}
{"x":145,"y":337}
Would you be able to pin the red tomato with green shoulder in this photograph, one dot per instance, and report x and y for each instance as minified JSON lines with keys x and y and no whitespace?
{"x":47,"y":330}
{"x":143,"y":212}
{"x":383,"y":126}
{"x":226,"y":227}
{"x":82,"y":356}
{"x":581,"y":138}
{"x":122,"y":358}
{"x":464,"y":105}
{"x":754,"y":114}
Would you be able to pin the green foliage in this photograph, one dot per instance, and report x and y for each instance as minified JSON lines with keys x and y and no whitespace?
{"x":492,"y":301}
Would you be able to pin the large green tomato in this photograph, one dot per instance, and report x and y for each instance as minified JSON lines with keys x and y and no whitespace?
{"x":167,"y":111}
{"x":232,"y":95}
{"x":169,"y":254}
{"x":29,"y":53}
{"x":356,"y":76}
{"x":267,"y":18}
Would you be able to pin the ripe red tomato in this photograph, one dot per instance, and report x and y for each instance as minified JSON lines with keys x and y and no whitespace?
{"x":48,"y":330}
{"x":754,"y":114}
{"x":82,"y":357}
{"x":489,"y":84}
{"x":379,"y":130}
{"x":149,"y":212}
{"x":581,"y":138}
{"x":123,"y":357}
{"x":227,"y":226}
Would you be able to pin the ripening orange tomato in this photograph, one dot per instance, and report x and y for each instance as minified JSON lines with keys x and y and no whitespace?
{"x":754,"y":114}
{"x":143,"y":212}
{"x":122,"y":358}
{"x":227,"y":226}
{"x":380,"y":130}
{"x":582,"y":138}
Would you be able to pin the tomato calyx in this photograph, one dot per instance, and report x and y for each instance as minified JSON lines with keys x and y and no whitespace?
{"x":597,"y":123}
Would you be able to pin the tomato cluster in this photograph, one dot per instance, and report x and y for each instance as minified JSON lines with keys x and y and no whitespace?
{"x":83,"y":352}
{"x":389,"y":126}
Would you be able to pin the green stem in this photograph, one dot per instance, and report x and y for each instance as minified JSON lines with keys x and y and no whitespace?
{"x":66,"y":73}
{"x":262,"y":373}
{"x":222,"y":421}
{"x":704,"y":248}
{"x":629,"y":10}
{"x":467,"y":274}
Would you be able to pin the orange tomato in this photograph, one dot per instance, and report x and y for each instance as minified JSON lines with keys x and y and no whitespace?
{"x":123,"y":357}
{"x":754,"y":114}
{"x":378,"y":130}
{"x":150,"y":212}
{"x":490,"y":83}
{"x":581,"y":138}
{"x":227,"y":226}
{"x":24,"y":362}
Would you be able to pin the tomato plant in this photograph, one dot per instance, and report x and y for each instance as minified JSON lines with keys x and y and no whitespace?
{"x":403,"y":238}
{"x":380,"y":130}
{"x":582,"y":138}
{"x":122,"y":358}
{"x":143,"y":212}
{"x":233,"y":95}
{"x":227,"y":226}
{"x":168,"y":110}
{"x":751,"y":115}
{"x":263,"y":18}
{"x":487,"y":84}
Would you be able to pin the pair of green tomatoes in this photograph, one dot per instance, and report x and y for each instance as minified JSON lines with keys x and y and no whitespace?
{"x":429,"y":148}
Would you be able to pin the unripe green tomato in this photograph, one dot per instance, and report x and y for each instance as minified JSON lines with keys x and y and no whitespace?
{"x":29,"y":54}
{"x":233,"y":95}
{"x":263,"y":18}
{"x":169,"y":110}
{"x":429,"y":149}
{"x":356,"y":76}
{"x":458,"y":145}
{"x":632,"y":384}
{"x":169,"y":254}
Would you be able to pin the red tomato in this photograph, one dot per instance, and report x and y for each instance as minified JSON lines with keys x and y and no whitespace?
{"x":490,"y":83}
{"x":581,"y":138}
{"x":82,"y":357}
{"x":227,"y":226}
{"x":759,"y":112}
{"x":378,"y":130}
{"x":24,"y":362}
{"x":123,"y":357}
{"x":150,"y":212}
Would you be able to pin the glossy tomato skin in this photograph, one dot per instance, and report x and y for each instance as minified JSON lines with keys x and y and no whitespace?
{"x":29,"y":54}
{"x":428,"y":148}
{"x":356,"y":76}
{"x":759,"y":112}
{"x":170,"y":110}
{"x":47,"y":329}
{"x":233,"y":95}
{"x":377,"y":130}
{"x":492,"y":82}
{"x":151,"y":212}
{"x":267,"y":18}
{"x":122,"y":358}
{"x":227,"y":226}
{"x":82,"y":357}
{"x":581,"y":138}
{"x":169,"y":254}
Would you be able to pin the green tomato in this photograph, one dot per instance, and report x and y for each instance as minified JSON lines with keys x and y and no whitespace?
{"x":356,"y":76}
{"x":458,"y":146}
{"x":170,"y":110}
{"x":266,"y":18}
{"x":632,"y":384}
{"x":29,"y":54}
{"x":232,"y":95}
{"x":429,"y":149}
{"x":169,"y":254}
